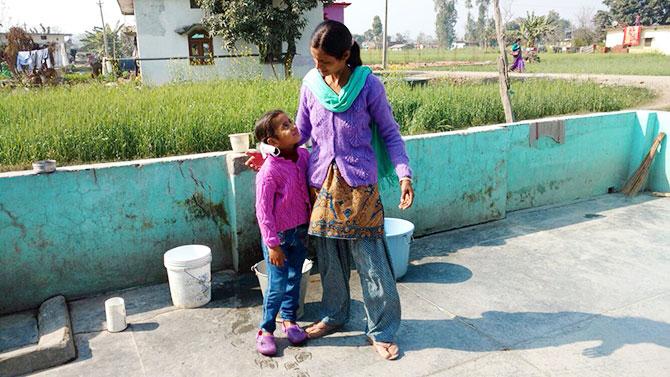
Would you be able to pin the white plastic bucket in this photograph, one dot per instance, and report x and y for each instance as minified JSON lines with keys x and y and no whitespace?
{"x":398,"y":238}
{"x":261,"y":271}
{"x":239,"y":142}
{"x":190,"y":275}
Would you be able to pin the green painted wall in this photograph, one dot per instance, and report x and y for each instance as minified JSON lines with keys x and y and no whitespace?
{"x":95,"y":228}
{"x":105,"y":227}
{"x":648,"y":126}
{"x":593,"y":158}
{"x":460,"y":179}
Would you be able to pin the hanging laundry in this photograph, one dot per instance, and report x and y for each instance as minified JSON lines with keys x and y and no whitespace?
{"x":42,"y":58}
{"x":24,"y":60}
{"x":58,"y":58}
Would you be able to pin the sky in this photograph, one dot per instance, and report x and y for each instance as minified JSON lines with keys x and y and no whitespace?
{"x":405,"y":16}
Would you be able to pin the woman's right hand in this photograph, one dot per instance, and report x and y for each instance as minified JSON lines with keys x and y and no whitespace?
{"x":406,"y":194}
{"x":255,"y":160}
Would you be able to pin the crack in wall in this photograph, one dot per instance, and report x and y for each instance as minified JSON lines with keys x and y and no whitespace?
{"x":14,"y":220}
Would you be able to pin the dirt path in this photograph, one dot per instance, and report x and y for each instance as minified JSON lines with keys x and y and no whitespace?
{"x":659,"y":84}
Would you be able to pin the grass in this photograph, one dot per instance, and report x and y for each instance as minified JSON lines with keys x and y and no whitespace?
{"x":104,"y":122}
{"x":428,"y":55}
{"x":622,"y":64}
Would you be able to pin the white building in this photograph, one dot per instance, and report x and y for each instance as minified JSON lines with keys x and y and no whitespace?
{"x":652,"y":39}
{"x":171,"y":42}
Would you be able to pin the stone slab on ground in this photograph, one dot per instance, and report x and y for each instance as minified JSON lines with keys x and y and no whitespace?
{"x":54,"y":347}
{"x":573,"y":290}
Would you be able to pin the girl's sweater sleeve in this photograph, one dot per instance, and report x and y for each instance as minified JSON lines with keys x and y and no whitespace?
{"x":302,"y":118}
{"x":380,"y":110}
{"x":265,"y":200}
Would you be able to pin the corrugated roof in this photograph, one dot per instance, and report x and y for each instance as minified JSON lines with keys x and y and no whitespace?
{"x":127,"y":7}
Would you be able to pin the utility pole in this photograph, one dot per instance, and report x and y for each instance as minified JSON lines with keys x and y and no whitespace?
{"x":386,"y":21}
{"x":104,"y":29}
{"x":503,"y":77}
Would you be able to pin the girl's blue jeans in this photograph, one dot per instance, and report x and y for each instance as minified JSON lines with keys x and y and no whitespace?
{"x":283,"y":292}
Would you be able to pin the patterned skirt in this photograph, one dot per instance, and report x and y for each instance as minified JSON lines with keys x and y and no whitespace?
{"x":342,"y":211}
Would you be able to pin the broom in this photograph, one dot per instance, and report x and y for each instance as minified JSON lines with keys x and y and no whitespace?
{"x":638,"y":180}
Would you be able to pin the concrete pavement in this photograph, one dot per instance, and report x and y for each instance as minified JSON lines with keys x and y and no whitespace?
{"x":573,"y":290}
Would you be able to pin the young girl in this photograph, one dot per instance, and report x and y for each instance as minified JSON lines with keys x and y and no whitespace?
{"x":282,"y":210}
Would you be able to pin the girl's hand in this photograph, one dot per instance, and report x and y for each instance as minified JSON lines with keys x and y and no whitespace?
{"x":255,"y":160}
{"x":277,"y":256}
{"x":406,"y":194}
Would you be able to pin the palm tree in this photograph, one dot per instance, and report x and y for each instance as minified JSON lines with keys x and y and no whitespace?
{"x":117,"y":45}
{"x":534,"y":28}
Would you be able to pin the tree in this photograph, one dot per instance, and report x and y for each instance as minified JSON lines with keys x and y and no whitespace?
{"x":585,"y":33}
{"x":483,"y":6}
{"x":117,"y":45}
{"x":261,"y":23}
{"x":652,"y":12}
{"x":17,"y":40}
{"x":359,"y":38}
{"x":583,"y":37}
{"x":602,"y":21}
{"x":445,"y":22}
{"x":377,"y":29}
{"x":562,"y":29}
{"x":533,"y":28}
{"x":470,"y":24}
{"x":369,"y":36}
{"x":400,"y":38}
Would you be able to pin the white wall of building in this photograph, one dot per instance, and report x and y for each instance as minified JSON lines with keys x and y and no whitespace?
{"x":660,"y":39}
{"x":614,"y":38}
{"x":157,"y":22}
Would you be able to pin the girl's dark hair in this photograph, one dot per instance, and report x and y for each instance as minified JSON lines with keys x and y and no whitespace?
{"x":334,"y":38}
{"x":264,"y":128}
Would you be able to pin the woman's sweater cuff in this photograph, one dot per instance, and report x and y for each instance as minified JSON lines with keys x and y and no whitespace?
{"x":402,"y":170}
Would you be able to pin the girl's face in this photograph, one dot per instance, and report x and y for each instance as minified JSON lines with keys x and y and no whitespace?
{"x":286,"y":133}
{"x":328,"y":64}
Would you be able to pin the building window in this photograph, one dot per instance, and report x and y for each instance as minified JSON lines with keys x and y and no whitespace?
{"x":200,"y":50}
{"x":647,"y":42}
{"x":43,"y":37}
{"x":194,"y":4}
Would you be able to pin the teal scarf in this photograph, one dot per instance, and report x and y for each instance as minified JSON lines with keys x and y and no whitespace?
{"x":342,"y":102}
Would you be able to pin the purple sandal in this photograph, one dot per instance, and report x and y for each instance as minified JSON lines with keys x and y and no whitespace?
{"x":295,"y":334}
{"x":265,"y":344}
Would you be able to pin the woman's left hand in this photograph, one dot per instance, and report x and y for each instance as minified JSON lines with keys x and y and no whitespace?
{"x":406,"y":194}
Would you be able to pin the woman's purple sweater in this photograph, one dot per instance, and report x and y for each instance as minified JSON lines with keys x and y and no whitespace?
{"x":346,"y":137}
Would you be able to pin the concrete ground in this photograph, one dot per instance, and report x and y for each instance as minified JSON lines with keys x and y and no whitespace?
{"x":573,"y":290}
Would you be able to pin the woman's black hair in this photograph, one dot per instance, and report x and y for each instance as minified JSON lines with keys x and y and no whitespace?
{"x":264,"y":128}
{"x":334,"y":38}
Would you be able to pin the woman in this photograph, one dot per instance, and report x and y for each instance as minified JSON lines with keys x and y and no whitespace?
{"x":341,"y":106}
{"x":518,"y":64}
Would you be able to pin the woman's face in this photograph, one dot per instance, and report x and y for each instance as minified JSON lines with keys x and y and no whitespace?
{"x":328,"y":64}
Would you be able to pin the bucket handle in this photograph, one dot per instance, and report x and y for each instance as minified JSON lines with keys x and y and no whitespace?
{"x":408,"y":239}
{"x":202,"y":282}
